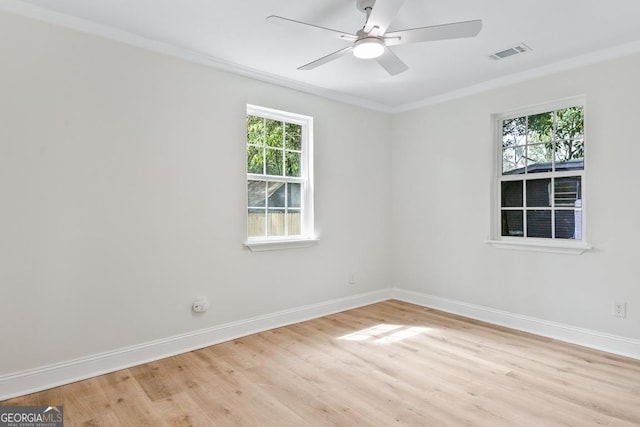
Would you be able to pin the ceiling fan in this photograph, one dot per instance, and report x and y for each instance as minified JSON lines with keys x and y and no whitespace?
{"x":373,"y":40}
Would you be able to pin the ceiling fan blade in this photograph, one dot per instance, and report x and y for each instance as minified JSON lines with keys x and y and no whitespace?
{"x":382,"y":14}
{"x":391,"y":62}
{"x":332,"y":56}
{"x":455,"y":30}
{"x":315,"y":28}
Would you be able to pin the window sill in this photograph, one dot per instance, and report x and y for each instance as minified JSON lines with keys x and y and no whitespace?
{"x":273,"y":245}
{"x":555,"y":247}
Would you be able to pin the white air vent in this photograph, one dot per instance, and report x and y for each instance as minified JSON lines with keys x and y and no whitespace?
{"x":521,"y":48}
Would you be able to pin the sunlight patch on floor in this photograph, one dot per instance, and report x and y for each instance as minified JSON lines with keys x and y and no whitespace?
{"x":385,"y":333}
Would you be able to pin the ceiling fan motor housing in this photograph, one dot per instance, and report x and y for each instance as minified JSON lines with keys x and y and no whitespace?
{"x":363,"y":5}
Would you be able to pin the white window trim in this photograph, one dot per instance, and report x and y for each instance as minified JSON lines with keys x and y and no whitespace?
{"x":307,"y":237}
{"x":271,"y":245}
{"x":541,"y":245}
{"x":558,"y":246}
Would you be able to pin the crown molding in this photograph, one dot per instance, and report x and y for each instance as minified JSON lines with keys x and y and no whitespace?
{"x":545,"y":70}
{"x":115,"y":34}
{"x":82,"y":25}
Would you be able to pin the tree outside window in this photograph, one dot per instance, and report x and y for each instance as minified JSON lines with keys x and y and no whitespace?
{"x":542,"y":173}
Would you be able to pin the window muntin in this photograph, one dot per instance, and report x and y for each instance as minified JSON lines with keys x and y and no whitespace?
{"x":279,"y":188}
{"x":542,"y":173}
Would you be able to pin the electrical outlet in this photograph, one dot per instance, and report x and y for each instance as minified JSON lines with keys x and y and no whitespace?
{"x":352,"y":278}
{"x":620,"y":309}
{"x":200,"y":305}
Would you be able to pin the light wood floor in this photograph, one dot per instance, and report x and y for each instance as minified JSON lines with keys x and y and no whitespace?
{"x":386,"y":364}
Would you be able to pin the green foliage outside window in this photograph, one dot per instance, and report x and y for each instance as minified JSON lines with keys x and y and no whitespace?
{"x":274,"y":163}
{"x":550,"y":137}
{"x":273,"y":147}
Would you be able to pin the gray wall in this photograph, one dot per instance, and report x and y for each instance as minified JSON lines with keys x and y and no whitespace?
{"x":123,"y":191}
{"x":443,"y":167}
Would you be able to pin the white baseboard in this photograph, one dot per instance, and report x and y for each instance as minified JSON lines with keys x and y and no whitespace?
{"x":42,"y":378}
{"x":585,"y":337}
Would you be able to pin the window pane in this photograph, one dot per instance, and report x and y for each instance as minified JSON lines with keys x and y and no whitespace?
{"x":512,"y":223}
{"x":570,"y":155}
{"x":570,"y":123}
{"x":513,"y":160}
{"x":255,"y":130}
{"x":514,"y":131}
{"x":539,"y":224}
{"x":257,"y":194}
{"x":274,"y":133}
{"x":568,"y":224}
{"x":508,"y":161}
{"x":568,"y":191}
{"x":578,"y":228}
{"x":540,"y":127}
{"x":511,"y":194}
{"x":293,"y":136}
{"x":256,"y":222}
{"x":277,"y":194}
{"x":293,"y":163}
{"x":274,"y":162}
{"x":255,"y":159}
{"x":275,"y":222}
{"x":295,"y":223}
{"x":293,"y":195}
{"x":547,"y":144}
{"x":277,"y":173}
{"x":539,"y":158}
{"x":539,"y":193}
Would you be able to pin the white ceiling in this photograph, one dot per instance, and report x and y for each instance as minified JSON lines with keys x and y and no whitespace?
{"x":235,"y":35}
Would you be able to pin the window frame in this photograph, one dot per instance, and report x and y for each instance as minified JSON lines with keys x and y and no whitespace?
{"x":307,"y":236}
{"x":539,"y":244}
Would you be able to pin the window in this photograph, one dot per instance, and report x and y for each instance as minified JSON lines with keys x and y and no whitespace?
{"x":279,"y":178}
{"x":541,"y":178}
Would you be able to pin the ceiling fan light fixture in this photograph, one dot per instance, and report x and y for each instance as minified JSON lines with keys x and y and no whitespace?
{"x":368,"y":47}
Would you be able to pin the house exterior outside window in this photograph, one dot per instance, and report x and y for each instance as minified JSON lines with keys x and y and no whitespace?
{"x":279,"y":179}
{"x":541,"y":176}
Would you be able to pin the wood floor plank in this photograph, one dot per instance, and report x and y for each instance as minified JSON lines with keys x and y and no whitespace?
{"x":390,"y":363}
